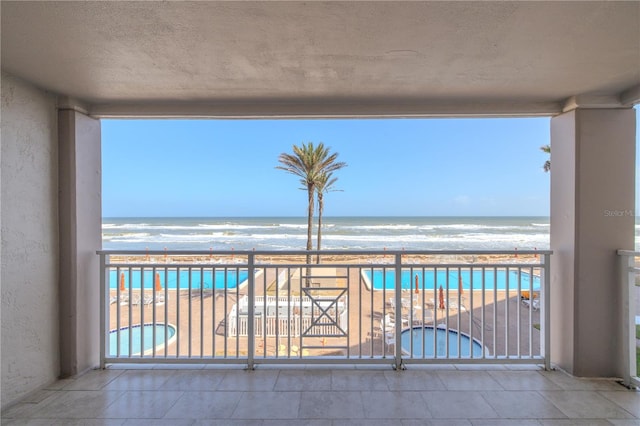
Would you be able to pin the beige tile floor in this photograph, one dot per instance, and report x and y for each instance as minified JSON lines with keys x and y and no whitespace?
{"x":317,"y":395}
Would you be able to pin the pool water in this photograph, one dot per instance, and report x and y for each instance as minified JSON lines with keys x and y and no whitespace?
{"x":136,"y":332}
{"x":208,"y":279}
{"x":426,"y":349}
{"x":493,"y":279}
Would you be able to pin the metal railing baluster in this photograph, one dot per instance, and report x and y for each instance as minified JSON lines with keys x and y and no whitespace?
{"x":470,"y":310}
{"x":546,"y":311}
{"x":189,"y":333}
{"x":141,"y":304}
{"x":484,"y":309}
{"x":436,"y":306}
{"x":105,"y":310}
{"x":518,"y":315}
{"x":507,"y":319}
{"x":398,"y":338}
{"x":446,"y":309}
{"x":153,"y":315}
{"x":495,"y":313}
{"x":531,"y":295}
{"x":251,"y":295}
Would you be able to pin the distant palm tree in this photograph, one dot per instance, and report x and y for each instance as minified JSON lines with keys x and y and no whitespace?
{"x":547,"y":164}
{"x":309,"y":162}
{"x":324,"y":184}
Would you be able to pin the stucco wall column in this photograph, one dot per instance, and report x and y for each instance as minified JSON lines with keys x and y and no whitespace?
{"x":30,"y":258}
{"x":592,"y":215}
{"x":80,"y":220}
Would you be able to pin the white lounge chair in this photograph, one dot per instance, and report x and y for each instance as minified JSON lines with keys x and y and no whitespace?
{"x":389,"y":339}
{"x":387,"y":330}
{"x":390,"y":323}
{"x":535,"y":304}
{"x":428,"y":315}
{"x":450,"y":304}
{"x":387,"y":324}
{"x":453,"y":304}
{"x":406,"y":303}
{"x":124,"y":299}
{"x":159,"y":299}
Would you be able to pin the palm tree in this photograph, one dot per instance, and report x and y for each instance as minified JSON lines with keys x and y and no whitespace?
{"x":324,"y":184}
{"x":308,"y":163}
{"x":547,"y":164}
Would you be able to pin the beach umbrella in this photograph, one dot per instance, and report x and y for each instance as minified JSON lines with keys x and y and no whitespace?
{"x":417,"y":288}
{"x":440,"y":298}
{"x":158,"y":285}
{"x":122,"y":282}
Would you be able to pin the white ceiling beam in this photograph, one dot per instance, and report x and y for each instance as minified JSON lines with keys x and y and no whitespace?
{"x":592,"y":101}
{"x":66,"y":102}
{"x":343,"y":108}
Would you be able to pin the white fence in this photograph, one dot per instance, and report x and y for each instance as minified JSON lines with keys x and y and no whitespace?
{"x":283,"y":316}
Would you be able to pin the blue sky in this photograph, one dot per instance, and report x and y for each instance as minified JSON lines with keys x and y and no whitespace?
{"x":399,"y":167}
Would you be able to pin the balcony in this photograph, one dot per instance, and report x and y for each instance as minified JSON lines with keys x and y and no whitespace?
{"x":357,"y":312}
{"x":376,"y":307}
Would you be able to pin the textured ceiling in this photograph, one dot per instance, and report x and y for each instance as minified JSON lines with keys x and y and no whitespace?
{"x":323,"y":58}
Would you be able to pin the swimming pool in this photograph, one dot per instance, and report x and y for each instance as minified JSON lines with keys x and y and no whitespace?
{"x":200,"y":278}
{"x":426,"y":349}
{"x":494,"y":279}
{"x":137,"y":344}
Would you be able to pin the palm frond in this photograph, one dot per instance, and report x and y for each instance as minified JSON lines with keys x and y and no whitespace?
{"x":314,"y":165}
{"x":547,"y":164}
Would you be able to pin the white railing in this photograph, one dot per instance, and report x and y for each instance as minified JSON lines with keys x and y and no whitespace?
{"x":628,"y":273}
{"x":397,"y":307}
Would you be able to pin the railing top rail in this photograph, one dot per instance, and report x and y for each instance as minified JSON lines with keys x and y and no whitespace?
{"x":628,"y":253}
{"x":322,"y":252}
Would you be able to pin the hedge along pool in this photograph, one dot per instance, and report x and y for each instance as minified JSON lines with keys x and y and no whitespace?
{"x":220,"y":279}
{"x":428,"y":279}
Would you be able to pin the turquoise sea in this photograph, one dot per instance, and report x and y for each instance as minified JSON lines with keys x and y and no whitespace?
{"x":339,"y":233}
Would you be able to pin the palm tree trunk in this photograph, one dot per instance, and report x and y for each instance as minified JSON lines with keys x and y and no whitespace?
{"x":320,"y":208}
{"x":311,"y":191}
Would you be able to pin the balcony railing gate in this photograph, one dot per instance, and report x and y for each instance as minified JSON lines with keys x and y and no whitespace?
{"x":368,"y":307}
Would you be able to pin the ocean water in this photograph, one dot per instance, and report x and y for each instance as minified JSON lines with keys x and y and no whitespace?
{"x":339,"y":233}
